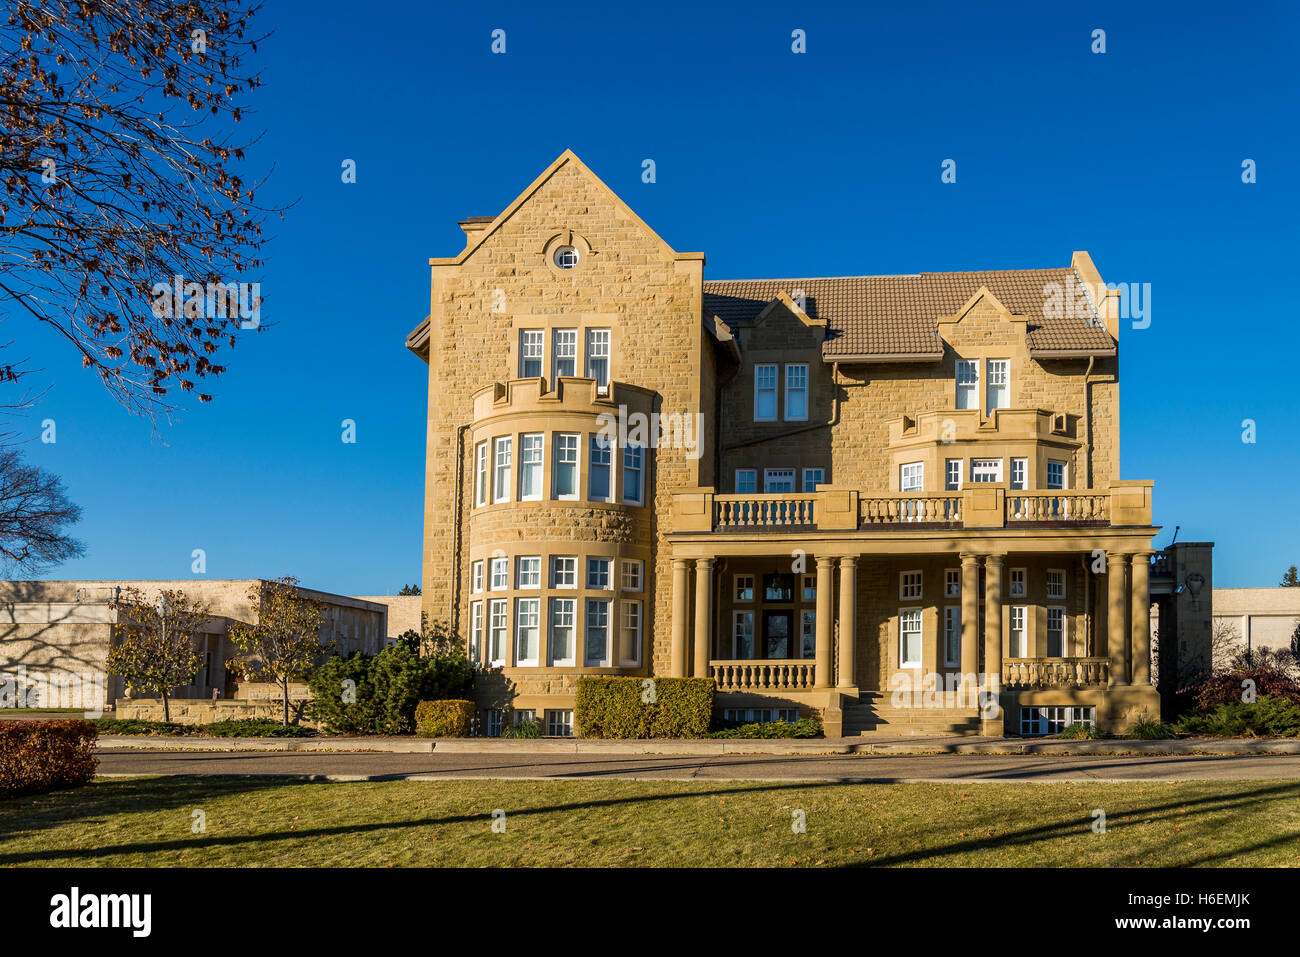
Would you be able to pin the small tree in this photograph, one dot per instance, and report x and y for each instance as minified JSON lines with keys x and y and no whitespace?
{"x":285,"y":643}
{"x":156,"y":652}
{"x":1291,"y":579}
{"x":410,"y":590}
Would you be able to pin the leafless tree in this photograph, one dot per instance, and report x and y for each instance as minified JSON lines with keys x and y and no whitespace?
{"x":34,"y":516}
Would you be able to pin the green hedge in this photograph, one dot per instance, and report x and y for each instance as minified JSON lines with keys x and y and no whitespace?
{"x":386,"y":688}
{"x":643,"y":708}
{"x":39,"y":756}
{"x":802,"y":728}
{"x":1269,"y":716}
{"x":449,"y":718}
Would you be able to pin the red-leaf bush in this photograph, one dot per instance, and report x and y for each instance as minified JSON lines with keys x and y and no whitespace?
{"x":1225,"y":687}
{"x":40,"y":756}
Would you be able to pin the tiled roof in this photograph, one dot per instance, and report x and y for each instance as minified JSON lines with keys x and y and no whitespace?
{"x":896,"y":315}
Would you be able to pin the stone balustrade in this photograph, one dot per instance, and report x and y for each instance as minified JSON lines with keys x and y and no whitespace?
{"x":1055,"y":673}
{"x":783,"y":674}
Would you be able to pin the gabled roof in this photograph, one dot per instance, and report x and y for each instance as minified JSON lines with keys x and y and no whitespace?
{"x":887,"y":317}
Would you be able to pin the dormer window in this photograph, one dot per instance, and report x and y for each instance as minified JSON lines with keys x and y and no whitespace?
{"x":566,"y":257}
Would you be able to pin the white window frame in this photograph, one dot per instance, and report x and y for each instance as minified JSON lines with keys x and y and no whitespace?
{"x":501,"y":467}
{"x":598,"y":348}
{"x":911,"y":584}
{"x":767,"y":380}
{"x":813,"y":479}
{"x":967,"y":379}
{"x":951,"y":630}
{"x":498,"y":634}
{"x":499,"y":571}
{"x":778,"y":477}
{"x":476,"y":633}
{"x":952,"y":583}
{"x":598,"y":567}
{"x":634,"y":463}
{"x":794,"y":387}
{"x":476,"y":576}
{"x":589,"y":605}
{"x":556,"y":626}
{"x":1018,"y":585}
{"x":997,"y":377}
{"x":952,"y":474}
{"x":742,"y":621}
{"x":985,"y":467}
{"x":1064,"y":481}
{"x":1019,"y":474}
{"x":532,"y":463}
{"x":1018,"y":622}
{"x":911,"y":477}
{"x":564,"y":442}
{"x":480,"y":474}
{"x":528,"y":616}
{"x":558,"y":572}
{"x":596,"y":451}
{"x":559,"y":722}
{"x":532,"y":347}
{"x":634,"y":581}
{"x":631,"y":623}
{"x":564,"y":349}
{"x":752,"y":476}
{"x":1053,"y":591}
{"x":741,"y":584}
{"x":534,"y":572}
{"x":1057,"y":610}
{"x":910,"y":622}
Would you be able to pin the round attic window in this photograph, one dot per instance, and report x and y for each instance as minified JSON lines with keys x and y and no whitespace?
{"x":566,"y":257}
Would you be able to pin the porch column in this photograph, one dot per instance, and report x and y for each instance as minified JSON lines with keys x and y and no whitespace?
{"x":1140,"y":619}
{"x":970,"y":617}
{"x":1117,"y":636}
{"x":681,"y":604}
{"x":703,"y":616}
{"x":825,"y":622}
{"x":993,"y":621}
{"x":848,"y":617}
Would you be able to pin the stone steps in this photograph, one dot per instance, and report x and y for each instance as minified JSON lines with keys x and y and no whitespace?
{"x":874,"y":716}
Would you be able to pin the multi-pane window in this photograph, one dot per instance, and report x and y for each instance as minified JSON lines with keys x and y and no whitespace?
{"x":598,"y":357}
{"x":765,"y":382}
{"x":812,"y":478}
{"x":633,"y":474}
{"x":796,"y":391}
{"x":909,"y":638}
{"x":1017,"y":589}
{"x":1053,"y":719}
{"x":742,"y":634}
{"x":564,"y":353}
{"x":909,"y":586}
{"x":746,"y":481}
{"x":564,"y":571}
{"x":952,"y":583}
{"x":559,"y":723}
{"x":476,"y":576}
{"x":911,"y":477}
{"x":1055,"y":632}
{"x":952,"y":636}
{"x":599,"y":486}
{"x":480,"y":473}
{"x":760,"y":715}
{"x":744,"y":588}
{"x":968,"y":384}
{"x":1055,"y":474}
{"x":530,"y":467}
{"x":501,"y":470}
{"x":475,"y":633}
{"x":778,"y":587}
{"x":498,"y":624}
{"x":952,"y":475}
{"x":629,"y":632}
{"x":528,"y":571}
{"x":808,"y":634}
{"x":809,"y":587}
{"x":493,"y":722}
{"x":633,"y":574}
{"x":597,"y":644}
{"x":1019,"y":643}
{"x":500,"y":574}
{"x":598,"y":573}
{"x":563,"y":631}
{"x":999,"y":384}
{"x":530,"y":353}
{"x":566,"y":465}
{"x":778,"y":481}
{"x":1019,"y":473}
{"x":986,"y":470}
{"x":1055,"y":583}
{"x":527,"y":630}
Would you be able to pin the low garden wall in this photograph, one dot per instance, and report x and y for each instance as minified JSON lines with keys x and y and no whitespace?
{"x":208,"y":711}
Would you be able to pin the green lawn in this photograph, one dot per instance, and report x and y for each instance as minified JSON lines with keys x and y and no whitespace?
{"x":270,"y":822}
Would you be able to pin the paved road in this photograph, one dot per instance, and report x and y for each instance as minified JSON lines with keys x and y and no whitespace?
{"x":938,"y":767}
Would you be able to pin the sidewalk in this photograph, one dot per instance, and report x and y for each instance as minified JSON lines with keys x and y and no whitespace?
{"x":794,"y":746}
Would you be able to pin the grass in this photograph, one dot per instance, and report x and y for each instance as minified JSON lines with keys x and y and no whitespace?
{"x":270,"y":822}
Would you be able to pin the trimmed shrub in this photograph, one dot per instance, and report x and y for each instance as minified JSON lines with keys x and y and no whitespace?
{"x":527,"y":728}
{"x":40,"y":756}
{"x":254,"y":728}
{"x":449,"y":718}
{"x":140,"y":726}
{"x":1269,"y":716}
{"x":388,"y":687}
{"x":803,"y":728}
{"x":614,"y":707}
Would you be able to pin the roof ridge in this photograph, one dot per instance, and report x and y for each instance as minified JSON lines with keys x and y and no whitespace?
{"x":901,"y":275}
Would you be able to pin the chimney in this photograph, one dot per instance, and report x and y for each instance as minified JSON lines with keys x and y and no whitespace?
{"x":474,"y":227}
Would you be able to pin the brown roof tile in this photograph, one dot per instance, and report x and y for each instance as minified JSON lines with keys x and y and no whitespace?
{"x":896,"y":315}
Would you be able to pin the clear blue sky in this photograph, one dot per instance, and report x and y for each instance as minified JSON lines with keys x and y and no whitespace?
{"x":773,"y":164}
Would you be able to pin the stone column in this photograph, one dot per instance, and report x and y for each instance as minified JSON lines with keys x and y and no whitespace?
{"x":825,"y":622}
{"x":993,"y":620}
{"x":703,"y":616}
{"x":1140,"y":620}
{"x":848,"y":620}
{"x":681,"y":608}
{"x":970,"y":616}
{"x":1116,"y":626}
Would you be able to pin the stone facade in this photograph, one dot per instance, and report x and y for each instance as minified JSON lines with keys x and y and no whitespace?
{"x":768,"y":541}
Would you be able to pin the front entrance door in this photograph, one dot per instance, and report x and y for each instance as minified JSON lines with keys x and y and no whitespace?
{"x":776,"y":633}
